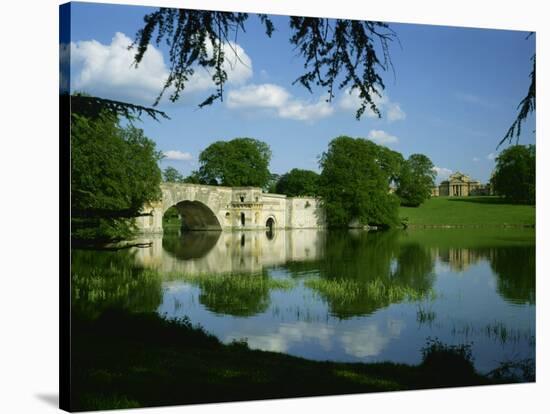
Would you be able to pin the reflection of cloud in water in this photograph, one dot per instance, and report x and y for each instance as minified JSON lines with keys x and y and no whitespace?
{"x":358,"y":342}
{"x":371,"y":340}
{"x":286,"y":335}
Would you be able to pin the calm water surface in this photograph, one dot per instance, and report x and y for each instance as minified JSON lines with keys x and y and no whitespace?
{"x":343,"y":296}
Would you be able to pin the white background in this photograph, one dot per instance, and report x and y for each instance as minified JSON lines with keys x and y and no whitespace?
{"x":29,"y":203}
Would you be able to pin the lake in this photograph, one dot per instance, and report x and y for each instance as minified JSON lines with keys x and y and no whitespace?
{"x":344,"y":296}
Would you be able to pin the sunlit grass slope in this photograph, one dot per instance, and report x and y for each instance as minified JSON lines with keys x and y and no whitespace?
{"x":468,"y":211}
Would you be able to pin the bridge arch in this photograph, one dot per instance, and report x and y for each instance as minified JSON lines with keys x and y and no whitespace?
{"x":196,"y":215}
{"x":206,"y":207}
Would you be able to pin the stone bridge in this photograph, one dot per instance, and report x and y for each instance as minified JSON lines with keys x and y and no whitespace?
{"x":206,"y":207}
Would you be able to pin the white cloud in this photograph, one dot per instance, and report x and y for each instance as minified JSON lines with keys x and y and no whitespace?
{"x":395,"y":113}
{"x":491,"y":156}
{"x":350,"y":101}
{"x":382,"y":137}
{"x":177,"y":155}
{"x":442,"y":172}
{"x":475,"y":159}
{"x":279,"y":101}
{"x":108,"y":70}
{"x":266,"y":95}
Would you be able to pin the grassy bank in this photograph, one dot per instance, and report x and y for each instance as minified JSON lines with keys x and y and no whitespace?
{"x":139,"y":360}
{"x":468,"y":212}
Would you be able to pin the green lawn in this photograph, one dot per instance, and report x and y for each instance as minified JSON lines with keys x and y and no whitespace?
{"x":468,"y":211}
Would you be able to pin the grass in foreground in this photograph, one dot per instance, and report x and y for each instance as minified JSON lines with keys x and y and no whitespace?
{"x":125,"y":360}
{"x":468,"y":211}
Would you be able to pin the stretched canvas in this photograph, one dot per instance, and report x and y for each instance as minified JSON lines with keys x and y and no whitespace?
{"x":266,"y":206}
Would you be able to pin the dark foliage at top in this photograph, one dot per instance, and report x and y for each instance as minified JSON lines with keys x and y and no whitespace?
{"x":337,"y":53}
{"x":93,"y":107}
{"x":526,"y":106}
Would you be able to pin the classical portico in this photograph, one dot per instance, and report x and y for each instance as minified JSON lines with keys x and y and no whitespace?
{"x":459,"y":185}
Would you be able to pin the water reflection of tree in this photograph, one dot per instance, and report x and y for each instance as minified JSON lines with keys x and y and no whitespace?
{"x":415,"y":267}
{"x":103,"y":280}
{"x":363,"y":272}
{"x":514,"y":267}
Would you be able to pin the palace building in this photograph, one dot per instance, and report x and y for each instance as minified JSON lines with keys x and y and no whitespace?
{"x":460,"y":185}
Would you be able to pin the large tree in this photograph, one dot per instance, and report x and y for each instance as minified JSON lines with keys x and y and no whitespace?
{"x":353,"y":186}
{"x":416,"y":180}
{"x":114,"y":172}
{"x":338,"y":53}
{"x":235,"y":163}
{"x":298,"y":182}
{"x":389,"y":161}
{"x":514,"y":174}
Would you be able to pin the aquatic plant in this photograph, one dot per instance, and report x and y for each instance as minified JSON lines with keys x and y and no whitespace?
{"x":344,"y":291}
{"x":98,"y":288}
{"x":425,"y":316}
{"x":235,"y":294}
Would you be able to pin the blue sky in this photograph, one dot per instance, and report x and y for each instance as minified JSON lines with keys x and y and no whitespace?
{"x":453,"y":96}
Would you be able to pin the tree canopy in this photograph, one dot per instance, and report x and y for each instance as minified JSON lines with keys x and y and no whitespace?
{"x":298,"y":182}
{"x":416,"y":180}
{"x":171,"y":175}
{"x":514,"y":174}
{"x":353,"y":186}
{"x":114,"y":172}
{"x":236,"y":163}
{"x":388,"y":160}
{"x":338,"y":53}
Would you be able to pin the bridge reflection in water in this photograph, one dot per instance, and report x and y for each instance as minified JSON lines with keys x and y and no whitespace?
{"x":230,"y":252}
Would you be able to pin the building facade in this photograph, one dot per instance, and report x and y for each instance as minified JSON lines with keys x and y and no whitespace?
{"x":460,"y":185}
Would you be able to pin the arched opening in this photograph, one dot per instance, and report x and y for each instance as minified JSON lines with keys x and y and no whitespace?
{"x":191,"y":216}
{"x":269,"y":225}
{"x":243,"y":219}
